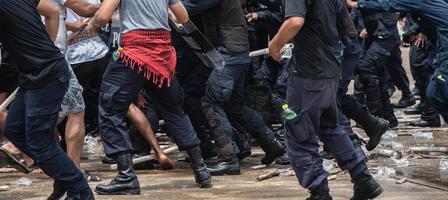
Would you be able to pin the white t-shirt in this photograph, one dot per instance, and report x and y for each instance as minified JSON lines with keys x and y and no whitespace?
{"x":88,"y":49}
{"x":61,"y":39}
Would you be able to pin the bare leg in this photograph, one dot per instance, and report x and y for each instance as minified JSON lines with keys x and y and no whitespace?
{"x":8,"y":146}
{"x":138,"y":119}
{"x":74,"y":137}
{"x":3,"y":114}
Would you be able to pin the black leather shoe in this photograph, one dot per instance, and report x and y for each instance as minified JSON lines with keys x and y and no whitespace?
{"x":225,"y":168}
{"x":405,"y":102}
{"x":366,"y":188}
{"x":416,"y":110}
{"x":125,"y":183}
{"x":201,"y":174}
{"x":58,"y":192}
{"x":427,"y":123}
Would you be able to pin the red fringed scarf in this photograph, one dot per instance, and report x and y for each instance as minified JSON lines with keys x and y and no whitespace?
{"x":151,"y":52}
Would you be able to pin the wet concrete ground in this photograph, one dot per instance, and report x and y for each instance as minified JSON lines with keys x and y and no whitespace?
{"x":424,"y":178}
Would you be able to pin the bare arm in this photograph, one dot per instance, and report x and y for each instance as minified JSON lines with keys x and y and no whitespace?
{"x":75,"y":26}
{"x":104,"y":14}
{"x":286,"y":33}
{"x":179,"y":12}
{"x":51,"y":14}
{"x":82,"y":8}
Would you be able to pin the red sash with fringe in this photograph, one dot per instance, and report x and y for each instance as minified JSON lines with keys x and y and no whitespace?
{"x":151,"y":52}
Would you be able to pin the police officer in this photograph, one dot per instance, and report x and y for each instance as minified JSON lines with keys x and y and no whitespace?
{"x":381,"y":44}
{"x":374,"y":127}
{"x":312,"y":94}
{"x":419,"y":53}
{"x":193,"y":74}
{"x":225,"y":27}
{"x":122,"y":82}
{"x":433,"y":17}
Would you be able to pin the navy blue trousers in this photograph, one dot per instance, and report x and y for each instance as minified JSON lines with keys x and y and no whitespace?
{"x":315,"y":102}
{"x":30,"y":126}
{"x":120,"y":88}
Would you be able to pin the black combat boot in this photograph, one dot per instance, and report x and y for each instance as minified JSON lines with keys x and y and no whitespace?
{"x":242,"y":142}
{"x":201,"y":174}
{"x":58,"y":191}
{"x":125,"y":183}
{"x":375,"y":128}
{"x":228,"y":163}
{"x":208,"y":149}
{"x":321,"y":193}
{"x":273,"y":150}
{"x":271,"y":145}
{"x":366,"y":187}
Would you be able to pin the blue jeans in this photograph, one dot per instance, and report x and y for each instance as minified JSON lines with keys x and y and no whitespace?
{"x":30,"y":126}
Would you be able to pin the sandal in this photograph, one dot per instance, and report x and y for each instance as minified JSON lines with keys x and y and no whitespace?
{"x":14,"y":162}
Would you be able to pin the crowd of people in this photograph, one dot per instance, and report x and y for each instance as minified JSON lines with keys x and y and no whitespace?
{"x":117,"y":68}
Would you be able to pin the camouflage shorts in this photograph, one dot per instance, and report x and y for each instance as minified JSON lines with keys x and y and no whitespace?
{"x":73,"y":101}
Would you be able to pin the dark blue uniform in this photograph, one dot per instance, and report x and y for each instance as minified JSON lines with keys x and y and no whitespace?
{"x":312,"y":93}
{"x":434,"y":17}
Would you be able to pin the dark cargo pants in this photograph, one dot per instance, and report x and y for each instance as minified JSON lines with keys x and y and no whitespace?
{"x":120,"y":88}
{"x":315,"y":102}
{"x":372,"y":73}
{"x":30,"y":126}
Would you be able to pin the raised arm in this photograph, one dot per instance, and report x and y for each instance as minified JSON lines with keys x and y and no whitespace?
{"x":104,"y":14}
{"x":51,"y":14}
{"x":82,"y":8}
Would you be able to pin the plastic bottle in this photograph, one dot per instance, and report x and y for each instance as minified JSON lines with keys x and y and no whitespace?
{"x":288,"y":113}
